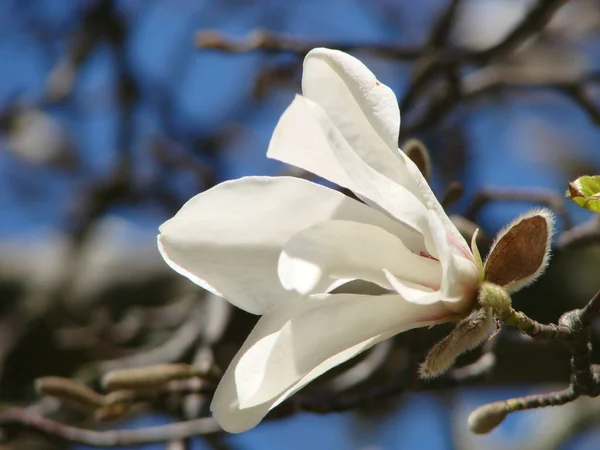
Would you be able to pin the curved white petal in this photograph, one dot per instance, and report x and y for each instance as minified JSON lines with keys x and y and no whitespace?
{"x":332,"y":362}
{"x":411,"y":292}
{"x":363,"y":109}
{"x":426,"y":195}
{"x":366,"y":113}
{"x":298,"y":340}
{"x":234,"y":419}
{"x":228,"y":239}
{"x":305,"y":136}
{"x":460,"y":276}
{"x":319,"y":257}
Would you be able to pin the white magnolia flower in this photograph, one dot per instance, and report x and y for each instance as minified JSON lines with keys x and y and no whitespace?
{"x":281,"y":246}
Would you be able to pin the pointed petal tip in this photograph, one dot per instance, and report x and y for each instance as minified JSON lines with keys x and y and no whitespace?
{"x":351,"y":94}
{"x":236,"y":422}
{"x":322,"y":51}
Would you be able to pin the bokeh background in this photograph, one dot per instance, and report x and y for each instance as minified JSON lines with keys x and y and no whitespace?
{"x":114,"y":113}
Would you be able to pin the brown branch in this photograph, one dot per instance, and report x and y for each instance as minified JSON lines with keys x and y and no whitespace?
{"x":470,"y":91}
{"x":582,"y":235}
{"x":534,"y":328}
{"x":268,"y":42}
{"x":573,"y":329}
{"x":477,"y":85}
{"x":577,"y":93}
{"x":590,"y":311}
{"x":441,"y":30}
{"x":487,"y":417}
{"x":109,"y":438}
{"x":84,"y":40}
{"x":262,"y":40}
{"x":545,"y":197}
{"x":170,"y":351}
{"x":447,"y":62}
{"x":432,"y":60}
{"x":535,"y":20}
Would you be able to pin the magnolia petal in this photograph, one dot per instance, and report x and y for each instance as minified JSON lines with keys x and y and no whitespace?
{"x":332,"y":362}
{"x":302,"y":138}
{"x":411,"y":292}
{"x":235,"y":419}
{"x":228,"y":239}
{"x":422,"y":190}
{"x":306,"y":137}
{"x":366,"y":113}
{"x":296,"y":337}
{"x":362,"y":108}
{"x":318,"y":257}
{"x":227,"y":412}
{"x":417,"y":294}
{"x":460,"y":276}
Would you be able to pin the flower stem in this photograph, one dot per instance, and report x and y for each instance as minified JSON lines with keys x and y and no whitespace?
{"x":534,"y":328}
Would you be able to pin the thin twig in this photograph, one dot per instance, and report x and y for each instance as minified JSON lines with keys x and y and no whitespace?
{"x":590,"y":311}
{"x":535,"y":21}
{"x":170,"y":351}
{"x":582,"y":235}
{"x":268,"y":42}
{"x":109,"y":438}
{"x":573,"y":329}
{"x":545,"y":197}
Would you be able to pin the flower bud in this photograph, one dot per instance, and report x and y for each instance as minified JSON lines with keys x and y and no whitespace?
{"x":521,"y":251}
{"x":585,"y":191}
{"x":494,"y":296}
{"x":70,"y":392}
{"x":487,"y":417}
{"x":144,"y":377}
{"x":468,"y":334}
